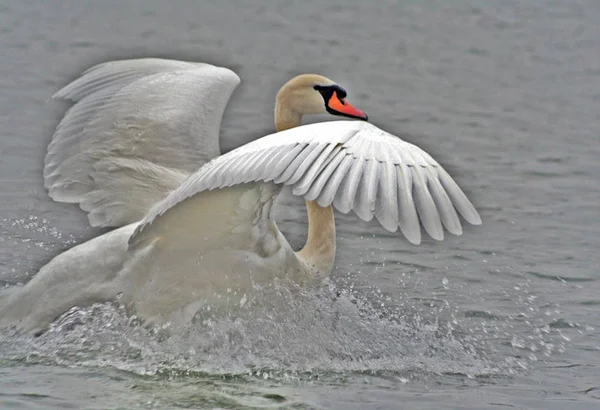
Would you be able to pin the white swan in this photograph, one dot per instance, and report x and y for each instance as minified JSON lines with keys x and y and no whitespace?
{"x":125,"y":152}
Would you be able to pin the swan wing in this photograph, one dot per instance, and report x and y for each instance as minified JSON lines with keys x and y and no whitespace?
{"x":351,"y":165}
{"x":136,"y":130}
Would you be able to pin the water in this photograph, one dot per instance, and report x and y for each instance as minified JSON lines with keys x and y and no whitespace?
{"x":504,"y":94}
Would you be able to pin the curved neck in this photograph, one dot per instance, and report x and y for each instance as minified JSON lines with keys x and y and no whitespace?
{"x":319,"y":250}
{"x":286,"y":118}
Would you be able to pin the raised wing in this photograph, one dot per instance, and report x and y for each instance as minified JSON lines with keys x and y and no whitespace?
{"x":352,"y":165}
{"x":136,"y":130}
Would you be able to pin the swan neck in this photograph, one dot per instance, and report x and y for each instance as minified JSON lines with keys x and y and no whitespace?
{"x":319,"y":250}
{"x":286,"y":119}
{"x":285,"y":116}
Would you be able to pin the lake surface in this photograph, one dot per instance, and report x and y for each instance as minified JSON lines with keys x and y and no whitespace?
{"x":505,"y":94}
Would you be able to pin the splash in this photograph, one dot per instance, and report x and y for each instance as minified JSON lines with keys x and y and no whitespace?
{"x":32,"y":237}
{"x":285,"y":333}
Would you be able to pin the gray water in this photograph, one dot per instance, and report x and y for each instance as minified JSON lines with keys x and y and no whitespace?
{"x":505,"y":94}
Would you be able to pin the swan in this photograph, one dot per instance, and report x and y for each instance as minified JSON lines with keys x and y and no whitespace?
{"x":139,"y":151}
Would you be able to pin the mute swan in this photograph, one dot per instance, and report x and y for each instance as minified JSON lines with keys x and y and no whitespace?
{"x":126,"y":151}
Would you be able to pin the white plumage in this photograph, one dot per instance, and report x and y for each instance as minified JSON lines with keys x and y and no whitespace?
{"x":352,"y":165}
{"x":132,"y":152}
{"x":138,"y":128}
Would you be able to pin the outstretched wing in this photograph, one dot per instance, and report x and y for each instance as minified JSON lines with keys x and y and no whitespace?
{"x":137,"y":129}
{"x":352,"y":165}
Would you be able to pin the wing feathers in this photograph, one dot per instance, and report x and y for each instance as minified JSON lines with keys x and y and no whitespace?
{"x":329,"y":153}
{"x":425,"y":205}
{"x":344,"y":200}
{"x":317,"y":186}
{"x":115,"y":74}
{"x":408,"y":218}
{"x":281,"y":164}
{"x":352,"y":165}
{"x":333,"y":182}
{"x":366,"y":195}
{"x":164,"y":112}
{"x":386,"y":210}
{"x":443,"y":203}
{"x":307,"y":163}
{"x":459,"y":199}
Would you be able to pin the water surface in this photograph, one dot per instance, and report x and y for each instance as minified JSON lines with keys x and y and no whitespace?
{"x":504,"y":95}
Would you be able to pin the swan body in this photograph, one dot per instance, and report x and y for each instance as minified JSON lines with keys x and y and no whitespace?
{"x":191,"y":239}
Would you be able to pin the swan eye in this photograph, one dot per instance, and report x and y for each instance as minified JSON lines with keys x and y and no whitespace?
{"x":328,"y":90}
{"x":341,"y":93}
{"x":335,"y":102}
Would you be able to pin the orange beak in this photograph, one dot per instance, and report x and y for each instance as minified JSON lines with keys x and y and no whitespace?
{"x":343,"y":107}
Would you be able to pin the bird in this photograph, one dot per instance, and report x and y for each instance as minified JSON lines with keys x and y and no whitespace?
{"x":139,"y":151}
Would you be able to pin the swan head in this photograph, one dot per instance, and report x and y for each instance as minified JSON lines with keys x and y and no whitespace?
{"x":315,"y":94}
